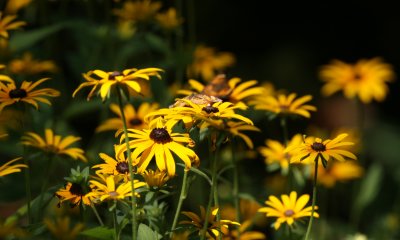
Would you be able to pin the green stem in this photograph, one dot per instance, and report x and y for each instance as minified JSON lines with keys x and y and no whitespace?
{"x":116,"y":237}
{"x":44,"y":184}
{"x":286,"y":141}
{"x":27,"y":175}
{"x":97,"y":214}
{"x":179,"y":47}
{"x":191,"y":22}
{"x":132,"y":176}
{"x":314,"y":197}
{"x":182,"y":197}
{"x":236,"y":185}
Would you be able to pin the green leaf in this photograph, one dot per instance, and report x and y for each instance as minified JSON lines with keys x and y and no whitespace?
{"x":146,"y":233}
{"x":99,"y":233}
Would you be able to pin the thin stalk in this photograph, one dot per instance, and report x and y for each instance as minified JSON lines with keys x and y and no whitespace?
{"x":182,"y":197}
{"x":116,"y":237}
{"x":236,"y":185}
{"x":97,"y":214}
{"x":27,"y":175}
{"x":179,"y":46}
{"x":132,"y":176}
{"x":191,"y":16}
{"x":45,"y":182}
{"x":286,"y":141}
{"x":314,"y":197}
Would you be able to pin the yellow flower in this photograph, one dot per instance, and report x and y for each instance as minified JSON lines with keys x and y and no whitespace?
{"x":73,"y":193}
{"x":231,"y":91}
{"x":7,"y":168}
{"x":288,"y":209}
{"x":28,"y":65}
{"x":61,"y":229}
{"x":6,"y":23}
{"x":13,"y":6}
{"x":9,"y":230}
{"x":134,"y":118}
{"x":206,"y":62}
{"x":118,"y":166}
{"x":111,"y":188}
{"x":285,"y":105}
{"x":10,"y":94}
{"x":169,"y":19}
{"x":313,"y":148}
{"x":55,"y":144}
{"x":274,"y":151}
{"x":155,"y":178}
{"x":140,"y":10}
{"x":365,"y":79}
{"x":243,"y":231}
{"x":214,"y":226}
{"x":338,"y":171}
{"x":127,"y":78}
{"x":160,"y":142}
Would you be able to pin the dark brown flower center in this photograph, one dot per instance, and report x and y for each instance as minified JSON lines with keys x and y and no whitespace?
{"x":135,"y":122}
{"x":76,"y":189}
{"x":357,"y":77}
{"x":289,"y":213}
{"x":17,"y":93}
{"x":114,"y":74}
{"x":160,"y":135}
{"x":210,"y":109}
{"x":122,"y":167}
{"x":319,"y":147}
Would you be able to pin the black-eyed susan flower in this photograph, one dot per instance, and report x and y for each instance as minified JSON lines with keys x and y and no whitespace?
{"x":285,"y":105}
{"x":366,"y":79}
{"x":314,"y":148}
{"x":55,"y":144}
{"x":8,"y":168}
{"x":73,"y":193}
{"x":288,"y":209}
{"x":233,"y":90}
{"x":160,"y":142}
{"x":7,"y":23}
{"x":169,"y":20}
{"x":118,"y":166}
{"x":10,"y":93}
{"x":155,"y":178}
{"x":207,"y":62}
{"x":126,"y":79}
{"x":29,"y":66}
{"x":213,"y":227}
{"x":338,"y":172}
{"x":274,"y":151}
{"x":134,"y":117}
{"x":111,"y":187}
{"x":61,"y":228}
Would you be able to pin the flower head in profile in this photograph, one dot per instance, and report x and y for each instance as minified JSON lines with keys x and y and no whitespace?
{"x":338,"y":172}
{"x":207,"y":62}
{"x":8,"y":168}
{"x":233,"y":90}
{"x":366,"y":79}
{"x":134,"y":117}
{"x":73,"y":193}
{"x":127,"y":79}
{"x":274,"y":151}
{"x":214,"y":227}
{"x":7,"y":23}
{"x":54,"y":144}
{"x":61,"y":228}
{"x":29,"y":66}
{"x":285,"y":105}
{"x":169,"y":20}
{"x":155,"y":179}
{"x":10,"y":93}
{"x":289,"y":209}
{"x":160,"y":142}
{"x":313,"y":149}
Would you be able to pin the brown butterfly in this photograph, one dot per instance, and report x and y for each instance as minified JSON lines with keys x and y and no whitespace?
{"x":218,"y":87}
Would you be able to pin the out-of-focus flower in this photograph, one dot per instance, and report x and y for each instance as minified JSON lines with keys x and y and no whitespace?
{"x":288,"y":209}
{"x":28,"y":65}
{"x":7,"y":23}
{"x":13,"y":6}
{"x":73,"y":193}
{"x":61,"y":228}
{"x":10,"y":119}
{"x":313,"y":148}
{"x":159,"y":142}
{"x":207,"y":62}
{"x":285,"y":105}
{"x":106,"y":80}
{"x":8,"y":168}
{"x":337,"y":172}
{"x":213,"y":227}
{"x":134,"y":118}
{"x":155,"y":178}
{"x":10,"y":94}
{"x":365,"y":79}
{"x":10,"y":230}
{"x":137,"y":11}
{"x":357,"y":236}
{"x":169,"y":20}
{"x":55,"y":144}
